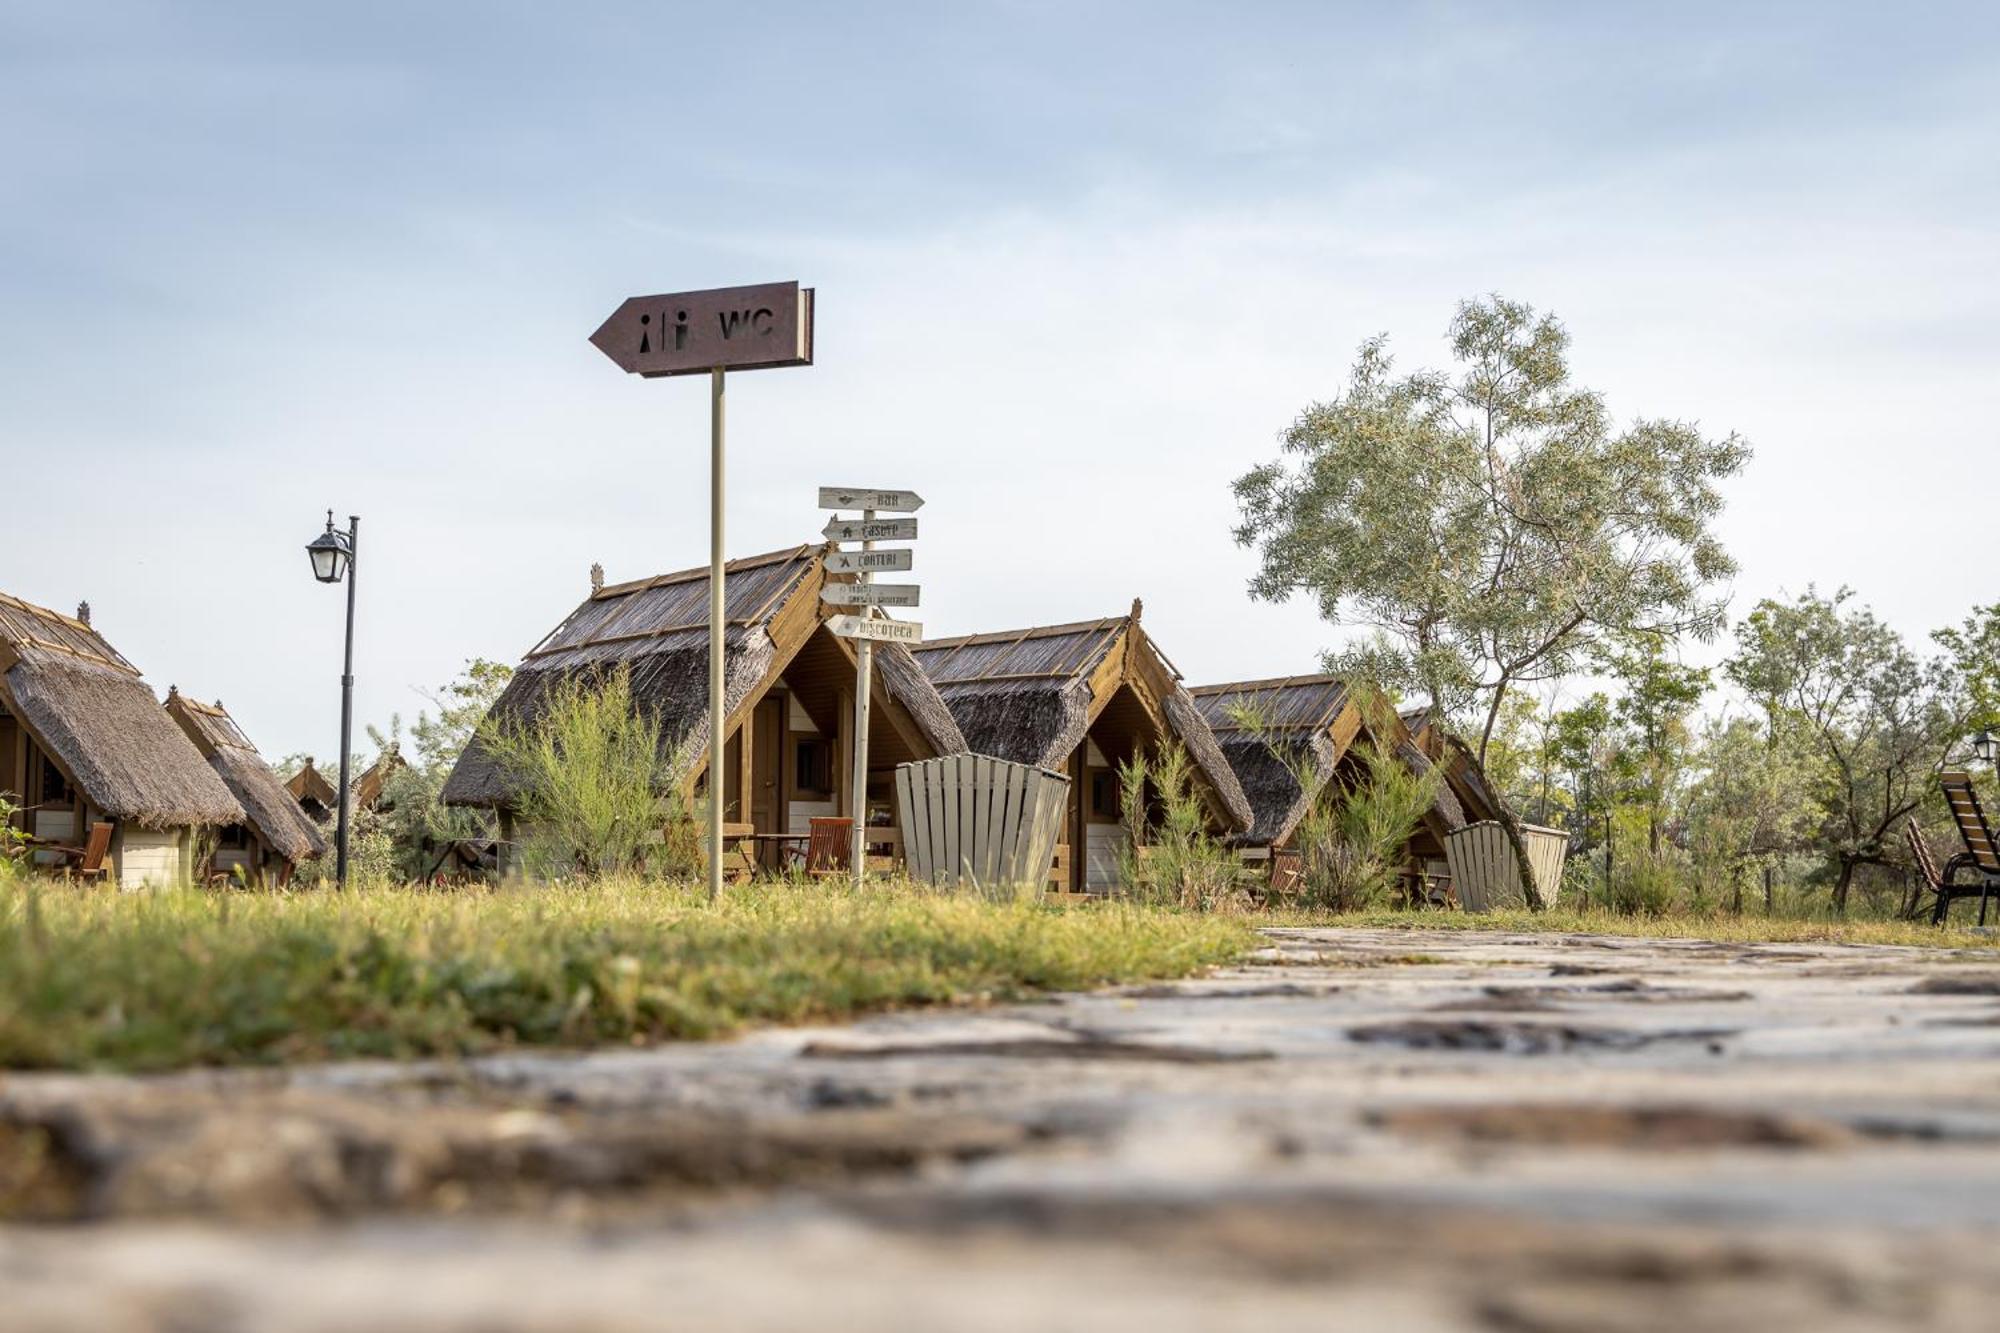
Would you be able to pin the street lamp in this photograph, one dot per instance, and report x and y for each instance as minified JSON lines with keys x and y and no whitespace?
{"x":1986,"y":745}
{"x":332,"y":556}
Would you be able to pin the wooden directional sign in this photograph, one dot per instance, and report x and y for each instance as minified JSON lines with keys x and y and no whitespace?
{"x":888,"y":502}
{"x":882,"y":631}
{"x":692,"y":333}
{"x":879,"y":530}
{"x":870,"y":594}
{"x":891,"y":561}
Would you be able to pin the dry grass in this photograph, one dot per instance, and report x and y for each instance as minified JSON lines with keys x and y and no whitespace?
{"x":1719,"y":927}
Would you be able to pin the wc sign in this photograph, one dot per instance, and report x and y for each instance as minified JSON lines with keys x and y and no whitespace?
{"x":725,"y":328}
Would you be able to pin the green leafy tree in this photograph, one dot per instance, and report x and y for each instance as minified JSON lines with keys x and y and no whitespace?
{"x":1589,"y":750}
{"x":1750,"y":802}
{"x":416,"y":818}
{"x":1882,"y":720}
{"x":1491,"y":526}
{"x":1660,"y":695}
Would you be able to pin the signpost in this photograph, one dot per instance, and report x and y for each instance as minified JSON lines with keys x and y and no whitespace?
{"x":865,"y":629}
{"x":870,"y":529}
{"x":870,"y":562}
{"x":871,"y":594}
{"x":881,"y":631}
{"x":689,"y":333}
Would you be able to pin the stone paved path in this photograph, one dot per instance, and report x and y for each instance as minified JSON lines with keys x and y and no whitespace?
{"x":1381,"y":1130}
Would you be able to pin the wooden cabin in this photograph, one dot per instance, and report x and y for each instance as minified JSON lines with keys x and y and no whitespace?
{"x":1318,"y":721}
{"x":84,"y":741}
{"x":788,"y":688}
{"x":1082,"y":699}
{"x":320,"y":798}
{"x":316,"y":796}
{"x":275,"y":835}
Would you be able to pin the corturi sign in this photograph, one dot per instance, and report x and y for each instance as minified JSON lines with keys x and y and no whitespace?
{"x":726,"y":328}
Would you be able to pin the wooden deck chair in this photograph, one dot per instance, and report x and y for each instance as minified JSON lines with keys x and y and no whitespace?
{"x":1981,"y":855}
{"x":830,"y":849}
{"x":1287,"y":866}
{"x":87,"y":861}
{"x":1937,"y":883}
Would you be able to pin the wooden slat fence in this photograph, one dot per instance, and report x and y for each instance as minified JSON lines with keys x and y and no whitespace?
{"x":1483,"y":868}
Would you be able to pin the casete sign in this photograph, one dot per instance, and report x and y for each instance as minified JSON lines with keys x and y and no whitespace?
{"x":726,"y":328}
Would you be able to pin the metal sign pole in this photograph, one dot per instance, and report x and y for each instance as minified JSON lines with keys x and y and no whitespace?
{"x":717,"y":788}
{"x":864,"y":669}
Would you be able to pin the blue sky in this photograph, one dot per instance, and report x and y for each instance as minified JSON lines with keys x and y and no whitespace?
{"x":1078,"y":265}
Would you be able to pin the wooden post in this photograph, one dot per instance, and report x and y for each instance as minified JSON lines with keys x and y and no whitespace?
{"x":718,"y":787}
{"x":864,"y":684}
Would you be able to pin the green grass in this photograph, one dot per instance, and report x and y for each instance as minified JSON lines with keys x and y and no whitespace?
{"x":97,"y":980}
{"x":1681,"y":925}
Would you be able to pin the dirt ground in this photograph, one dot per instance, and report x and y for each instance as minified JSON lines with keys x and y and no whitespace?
{"x":1365,"y":1129}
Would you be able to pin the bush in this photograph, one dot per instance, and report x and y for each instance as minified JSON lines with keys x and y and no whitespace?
{"x":596,"y":795}
{"x":1170,"y":858}
{"x":1352,"y":842}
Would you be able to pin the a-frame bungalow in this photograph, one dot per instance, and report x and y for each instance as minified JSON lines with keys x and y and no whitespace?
{"x":1317,"y":720}
{"x":788,"y":689}
{"x":275,"y":835}
{"x":1081,"y":699}
{"x":84,"y":742}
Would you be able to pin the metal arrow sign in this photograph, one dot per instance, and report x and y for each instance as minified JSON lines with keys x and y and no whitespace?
{"x":693,"y":333}
{"x":888,"y":502}
{"x":877,"y":530}
{"x":870,"y":594}
{"x":884,"y":631}
{"x":872,"y":562}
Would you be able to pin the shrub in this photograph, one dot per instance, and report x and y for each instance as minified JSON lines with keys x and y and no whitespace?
{"x":1170,"y":858}
{"x":1351,"y":843}
{"x":596,"y":795}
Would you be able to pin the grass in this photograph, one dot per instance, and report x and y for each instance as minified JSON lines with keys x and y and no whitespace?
{"x":1681,"y":925}
{"x":96,"y":980}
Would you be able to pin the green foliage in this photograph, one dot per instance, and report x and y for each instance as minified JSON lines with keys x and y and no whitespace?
{"x":597,"y":797}
{"x":1170,"y":858}
{"x":1491,"y":526}
{"x":1352,"y":843}
{"x":90,"y":980}
{"x":1880,"y":721}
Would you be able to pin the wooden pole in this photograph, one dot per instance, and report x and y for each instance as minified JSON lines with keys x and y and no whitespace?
{"x":718,"y":789}
{"x":864,"y":670}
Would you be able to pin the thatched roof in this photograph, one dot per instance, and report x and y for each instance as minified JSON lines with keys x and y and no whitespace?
{"x":88,"y":709}
{"x":273,"y":811}
{"x":309,"y":784}
{"x":657,"y":629}
{"x":1027,"y":695}
{"x":368,"y":787}
{"x":1273,"y":732}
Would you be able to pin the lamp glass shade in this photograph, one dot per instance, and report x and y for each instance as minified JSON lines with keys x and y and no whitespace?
{"x":328,"y":553}
{"x":1986,"y":745}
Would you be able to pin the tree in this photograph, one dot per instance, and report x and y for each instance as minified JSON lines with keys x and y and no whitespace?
{"x":1751,"y":800}
{"x":1660,"y":696}
{"x":1883,"y":720}
{"x":1588,"y":748}
{"x":1491,"y":527}
{"x":418,"y":821}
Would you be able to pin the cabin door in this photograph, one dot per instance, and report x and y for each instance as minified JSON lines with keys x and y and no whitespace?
{"x":767,"y":771}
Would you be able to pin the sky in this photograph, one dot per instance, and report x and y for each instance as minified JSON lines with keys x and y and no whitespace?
{"x":1078,"y":265}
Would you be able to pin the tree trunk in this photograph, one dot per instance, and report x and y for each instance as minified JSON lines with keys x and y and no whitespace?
{"x":1531,"y":894}
{"x":1847,"y":864}
{"x":1767,"y":888}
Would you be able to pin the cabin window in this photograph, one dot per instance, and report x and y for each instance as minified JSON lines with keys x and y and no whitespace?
{"x":812,"y":759}
{"x":54,"y":788}
{"x":1103,"y":794}
{"x":234,"y":837}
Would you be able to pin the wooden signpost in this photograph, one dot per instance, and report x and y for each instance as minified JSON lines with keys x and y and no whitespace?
{"x":880,"y":631}
{"x":865,"y":629}
{"x":870,"y":562}
{"x":691,"y":333}
{"x":870,"y":529}
{"x":871,"y":594}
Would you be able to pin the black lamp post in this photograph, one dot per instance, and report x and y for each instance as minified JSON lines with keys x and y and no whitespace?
{"x":1987,"y":746}
{"x":332,"y":555}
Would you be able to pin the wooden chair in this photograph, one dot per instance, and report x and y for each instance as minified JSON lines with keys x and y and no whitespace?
{"x":1939,"y":884}
{"x":830,"y":848}
{"x":1981,"y":855}
{"x":87,"y":861}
